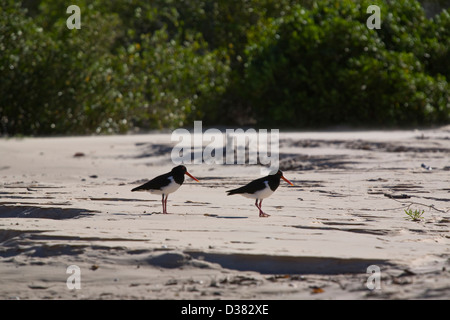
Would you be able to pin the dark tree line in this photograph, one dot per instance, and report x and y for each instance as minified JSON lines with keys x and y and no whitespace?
{"x":265,"y":63}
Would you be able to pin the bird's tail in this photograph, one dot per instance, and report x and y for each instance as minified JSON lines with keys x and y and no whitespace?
{"x":234,"y":191}
{"x":137,"y":189}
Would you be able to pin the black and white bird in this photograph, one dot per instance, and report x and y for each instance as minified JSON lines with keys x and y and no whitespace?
{"x":166,"y":184}
{"x":260,"y":189}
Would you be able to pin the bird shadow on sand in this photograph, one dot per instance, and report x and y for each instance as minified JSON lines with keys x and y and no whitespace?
{"x":223,"y":217}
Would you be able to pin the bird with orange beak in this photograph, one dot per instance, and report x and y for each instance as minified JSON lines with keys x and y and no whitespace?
{"x":260,"y":189}
{"x":166,"y":184}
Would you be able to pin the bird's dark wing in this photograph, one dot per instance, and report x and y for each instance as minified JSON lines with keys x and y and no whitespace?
{"x":155,"y":184}
{"x":250,"y":187}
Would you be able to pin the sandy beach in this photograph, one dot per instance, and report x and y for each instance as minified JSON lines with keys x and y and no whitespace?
{"x":67,"y":201}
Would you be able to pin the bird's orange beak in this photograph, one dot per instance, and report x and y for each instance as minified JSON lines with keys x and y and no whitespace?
{"x":282,"y":177}
{"x":191,"y":176}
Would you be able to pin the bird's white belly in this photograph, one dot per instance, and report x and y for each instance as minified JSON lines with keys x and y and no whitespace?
{"x":171,"y":187}
{"x":261,"y":194}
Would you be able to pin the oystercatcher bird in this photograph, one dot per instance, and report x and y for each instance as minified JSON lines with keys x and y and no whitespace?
{"x":260,"y":189}
{"x":165,"y":184}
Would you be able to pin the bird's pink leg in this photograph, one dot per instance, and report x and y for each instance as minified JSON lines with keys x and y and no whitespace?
{"x":256,"y":204}
{"x":261,"y":213}
{"x":165,"y":204}
{"x":162,"y":202}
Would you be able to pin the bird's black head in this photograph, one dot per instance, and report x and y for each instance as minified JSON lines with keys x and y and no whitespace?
{"x":279,"y":175}
{"x":179,"y":169}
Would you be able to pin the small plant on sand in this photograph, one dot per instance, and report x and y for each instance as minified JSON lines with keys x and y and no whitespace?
{"x":415,"y":215}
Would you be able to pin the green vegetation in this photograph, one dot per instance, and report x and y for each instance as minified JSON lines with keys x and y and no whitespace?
{"x":415,"y":215}
{"x":272,"y":63}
